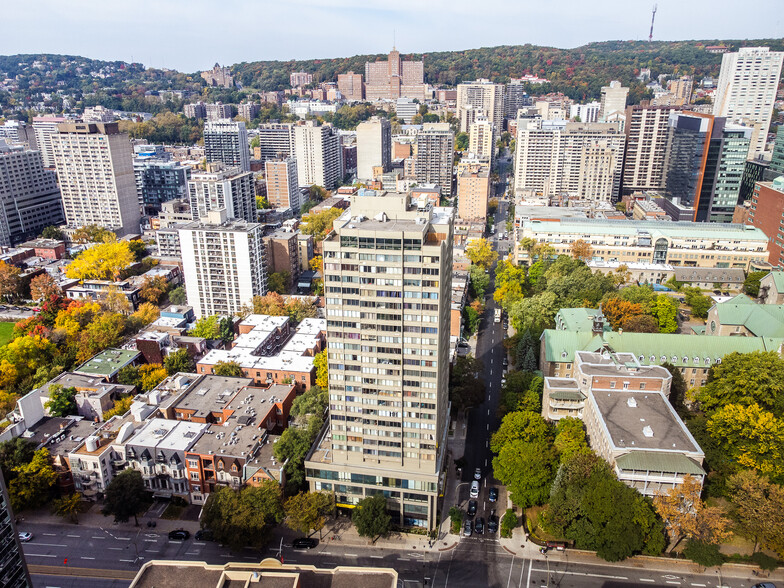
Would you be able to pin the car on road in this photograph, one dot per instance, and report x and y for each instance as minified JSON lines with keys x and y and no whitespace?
{"x":472,"y":505}
{"x":304,"y":543}
{"x":474,"y":489}
{"x":24,"y":536}
{"x":468,"y":528}
{"x":204,"y":535}
{"x":492,"y":524}
{"x":479,"y":526}
{"x":478,"y":474}
{"x":764,"y":585}
{"x":179,"y":535}
{"x":492,"y":494}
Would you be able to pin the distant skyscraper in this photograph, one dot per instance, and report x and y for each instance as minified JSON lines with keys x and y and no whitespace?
{"x":374,"y":147}
{"x":318,"y":155}
{"x":158,"y":181}
{"x":389,"y":367}
{"x":223,"y":264}
{"x":29,"y":196}
{"x":394,"y":78}
{"x":44,"y":127}
{"x":219,"y":188}
{"x":435,"y":156}
{"x":351,"y":86}
{"x":13,"y":568}
{"x":197,"y":110}
{"x":705,"y":164}
{"x":746,"y":91}
{"x":282,"y":187}
{"x":227,"y":141}
{"x":613,"y":100}
{"x":647,"y":141}
{"x":477,"y":98}
{"x":516,"y":98}
{"x":276,"y":140}
{"x":95,"y":169}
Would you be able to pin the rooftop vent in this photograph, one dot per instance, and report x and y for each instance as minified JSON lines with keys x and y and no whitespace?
{"x":631,"y":403}
{"x":647,"y":431}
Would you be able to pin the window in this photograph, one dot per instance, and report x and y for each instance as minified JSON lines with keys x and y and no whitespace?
{"x":642,"y":385}
{"x":626,"y":385}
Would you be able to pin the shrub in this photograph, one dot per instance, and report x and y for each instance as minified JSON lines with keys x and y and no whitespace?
{"x":705,"y":554}
{"x":456,"y":516}
{"x":764,"y":561}
{"x":508,"y":522}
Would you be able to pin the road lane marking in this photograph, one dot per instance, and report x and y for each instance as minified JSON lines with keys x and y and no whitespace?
{"x":673,"y":582}
{"x":77,"y":536}
{"x":403,"y":559}
{"x":510,"y":572}
{"x":151,"y":541}
{"x":116,"y":548}
{"x":646,"y":580}
{"x":376,"y":557}
{"x":200,"y":544}
{"x":38,"y":555}
{"x":48,"y":545}
{"x":98,"y":537}
{"x":544,"y":570}
{"x":702,"y":585}
{"x":530,"y":569}
{"x":522,"y":569}
{"x":87,"y":557}
{"x":123,"y":538}
{"x":152,"y":550}
{"x":49,"y":534}
{"x":351,"y":555}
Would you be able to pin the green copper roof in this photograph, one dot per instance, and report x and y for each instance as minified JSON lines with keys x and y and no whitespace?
{"x":108,"y":362}
{"x":577,"y":319}
{"x":659,"y":461}
{"x":567,"y":395}
{"x":778,"y":279}
{"x":763,"y":320}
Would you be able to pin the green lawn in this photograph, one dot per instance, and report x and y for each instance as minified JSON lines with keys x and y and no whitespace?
{"x":5,"y":332}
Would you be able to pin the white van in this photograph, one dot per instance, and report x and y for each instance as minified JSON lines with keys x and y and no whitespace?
{"x":474,"y":489}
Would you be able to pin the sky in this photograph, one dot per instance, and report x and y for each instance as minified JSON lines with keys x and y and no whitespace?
{"x":192,"y":35}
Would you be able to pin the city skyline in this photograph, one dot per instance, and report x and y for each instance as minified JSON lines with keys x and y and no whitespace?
{"x":105,"y":32}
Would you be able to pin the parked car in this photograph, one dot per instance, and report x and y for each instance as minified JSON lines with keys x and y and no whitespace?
{"x":468,"y":528}
{"x":304,"y":543}
{"x":472,"y":507}
{"x":492,"y":494}
{"x":204,"y":535}
{"x":474,"y":489}
{"x":479,"y":526}
{"x":24,"y":536}
{"x":179,"y":535}
{"x":478,"y":474}
{"x":764,"y":585}
{"x":492,"y":524}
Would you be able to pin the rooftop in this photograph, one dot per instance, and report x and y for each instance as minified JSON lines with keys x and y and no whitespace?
{"x":83,"y":383}
{"x":168,"y":434}
{"x":211,"y":393}
{"x":679,"y":230}
{"x":108,"y":362}
{"x":617,"y":364}
{"x":659,"y":461}
{"x":60,"y":435}
{"x":709,"y":274}
{"x":763,"y":320}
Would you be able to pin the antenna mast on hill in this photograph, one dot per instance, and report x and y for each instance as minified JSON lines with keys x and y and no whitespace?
{"x":653,"y":17}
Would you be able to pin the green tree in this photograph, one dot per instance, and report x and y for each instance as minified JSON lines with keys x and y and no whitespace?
{"x":308,"y":510}
{"x":678,"y":388}
{"x":570,"y":438}
{"x":243,"y":517}
{"x":33,"y":482}
{"x":179,"y":361}
{"x":521,"y":392}
{"x":466,"y":389}
{"x":751,"y":285}
{"x":666,"y":311}
{"x":228,"y":369}
{"x":699,"y":303}
{"x":280,"y":282}
{"x":177,"y":296}
{"x":226,"y":329}
{"x":371,"y":518}
{"x":14,"y":453}
{"x":129,"y":376}
{"x":207,"y":327}
{"x":522,"y":426}
{"x":125,"y":496}
{"x":479,"y":281}
{"x":461,"y":141}
{"x":527,"y":469}
{"x":319,"y":224}
{"x":52,"y":232}
{"x":534,"y":314}
{"x":508,"y":523}
{"x":313,"y":401}
{"x":702,"y":553}
{"x":745,"y":378}
{"x":61,"y":401}
{"x":68,"y":507}
{"x":291,"y":449}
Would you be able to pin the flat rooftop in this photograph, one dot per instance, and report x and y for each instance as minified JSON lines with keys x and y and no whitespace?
{"x":211,"y":393}
{"x":108,"y":362}
{"x":167,"y":434}
{"x":61,"y":436}
{"x":643,"y":420}
{"x":84,"y":383}
{"x":617,"y":364}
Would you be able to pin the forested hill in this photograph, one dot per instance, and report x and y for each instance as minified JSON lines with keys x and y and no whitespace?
{"x":579,"y":72}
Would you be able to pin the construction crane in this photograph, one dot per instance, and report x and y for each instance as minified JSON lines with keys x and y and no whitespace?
{"x":653,"y":16}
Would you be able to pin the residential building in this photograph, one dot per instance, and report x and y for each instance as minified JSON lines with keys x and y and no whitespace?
{"x":44,"y":127}
{"x":197,"y":110}
{"x":276,"y":140}
{"x":754,"y":171}
{"x":481,"y":138}
{"x":473,"y":193}
{"x":282,"y":185}
{"x":13,"y":567}
{"x":374,"y":147}
{"x":159,"y":181}
{"x":249,"y":110}
{"x":767,"y":214}
{"x":174,"y":212}
{"x":480,"y":97}
{"x":300,"y":78}
{"x":777,"y":158}
{"x":98,"y":114}
{"x":678,"y":244}
{"x":706,"y":163}
{"x":270,"y":351}
{"x":394,"y":78}
{"x":108,"y":363}
{"x":282,"y":251}
{"x":29,"y":196}
{"x":435,"y":156}
{"x":587,"y":113}
{"x":515,"y":98}
{"x":226,"y":141}
{"x":351,"y":86}
{"x":223,"y":263}
{"x":406,"y":109}
{"x":18,"y":132}
{"x":305,"y":249}
{"x":398,"y":444}
{"x":648,"y":136}
{"x":218,"y":111}
{"x":711,"y":278}
{"x":98,"y":457}
{"x":742,"y":317}
{"x":218,"y":77}
{"x":94,"y":395}
{"x":746,"y":91}
{"x":583,"y":160}
{"x":772,"y":288}
{"x":681,"y":89}
{"x":318,"y":155}
{"x":613,"y":100}
{"x":94,"y":165}
{"x":218,"y":188}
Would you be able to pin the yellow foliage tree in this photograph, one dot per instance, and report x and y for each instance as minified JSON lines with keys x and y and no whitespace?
{"x":104,"y":261}
{"x":481,"y":253}
{"x":150,"y":375}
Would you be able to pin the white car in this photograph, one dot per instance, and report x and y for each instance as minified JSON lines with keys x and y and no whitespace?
{"x":24,"y":536}
{"x":474,"y":489}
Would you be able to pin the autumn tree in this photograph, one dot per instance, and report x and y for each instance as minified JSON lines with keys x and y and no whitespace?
{"x":44,"y":286}
{"x":115,"y":300}
{"x":480,"y":252}
{"x":104,"y":261}
{"x":68,"y":507}
{"x":121,"y":406}
{"x":154,"y":289}
{"x":280,"y":282}
{"x":758,"y":509}
{"x":308,"y":510}
{"x":229,"y":369}
{"x":642,"y":323}
{"x":93,"y":234}
{"x":322,"y":374}
{"x":619,"y":311}
{"x":207,"y":327}
{"x":10,"y":283}
{"x":581,"y":250}
{"x":319,"y":224}
{"x":570,"y":438}
{"x":33,"y":484}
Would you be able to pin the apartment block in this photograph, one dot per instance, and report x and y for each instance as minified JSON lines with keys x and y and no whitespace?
{"x":613,"y":100}
{"x":94,"y":165}
{"x":159,"y":181}
{"x":648,"y":137}
{"x":224,"y":188}
{"x":318,"y":153}
{"x":480,"y":98}
{"x":374,"y":147}
{"x":767,"y":214}
{"x":13,"y":567}
{"x":226,"y":141}
{"x":746,"y":91}
{"x":481,"y":138}
{"x":515,"y":98}
{"x":435,"y":156}
{"x":300,"y":78}
{"x":44,"y":127}
{"x":387,"y":276}
{"x":282,"y":251}
{"x":394,"y":78}
{"x":473,"y":193}
{"x":218,"y":111}
{"x":282,"y":186}
{"x":29,"y":196}
{"x":249,"y":110}
{"x":777,"y":158}
{"x":276,"y":140}
{"x":351,"y":86}
{"x":223,"y":262}
{"x":197,"y":110}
